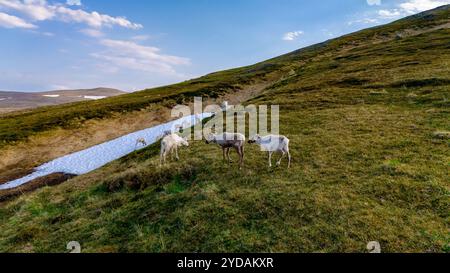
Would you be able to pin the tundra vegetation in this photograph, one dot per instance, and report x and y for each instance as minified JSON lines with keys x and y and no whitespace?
{"x":361,"y":112}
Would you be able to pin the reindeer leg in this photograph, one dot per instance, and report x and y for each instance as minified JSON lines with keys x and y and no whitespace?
{"x":228,"y":156}
{"x":176,"y":153}
{"x":270,"y":159}
{"x":224,"y":154}
{"x":163,"y":157}
{"x":238,"y":149}
{"x":289,"y":157}
{"x":242,"y":155}
{"x":282,"y":155}
{"x":161,"y":154}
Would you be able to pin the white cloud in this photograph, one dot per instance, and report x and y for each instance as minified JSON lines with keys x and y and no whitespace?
{"x":35,"y":9}
{"x":130,"y":55}
{"x":92,"y":32}
{"x":93,"y":19}
{"x":9,"y":21}
{"x":41,"y":10}
{"x":291,"y":36}
{"x":410,"y":7}
{"x":388,"y":14}
{"x":415,"y":6}
{"x":402,"y":9}
{"x":73,"y":2}
{"x":374,"y":2}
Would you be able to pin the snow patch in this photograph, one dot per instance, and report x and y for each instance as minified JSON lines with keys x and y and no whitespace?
{"x":88,"y":160}
{"x":3,"y":99}
{"x":51,"y":96}
{"x":95,"y":97}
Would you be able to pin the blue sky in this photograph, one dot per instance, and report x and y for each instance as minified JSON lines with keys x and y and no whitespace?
{"x":136,"y":44}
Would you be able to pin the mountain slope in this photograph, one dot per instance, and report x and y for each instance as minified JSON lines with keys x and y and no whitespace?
{"x":214,"y":85}
{"x":361,"y":112}
{"x":14,"y":101}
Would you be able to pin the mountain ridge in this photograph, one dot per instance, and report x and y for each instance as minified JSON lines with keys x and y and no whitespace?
{"x":11,"y":101}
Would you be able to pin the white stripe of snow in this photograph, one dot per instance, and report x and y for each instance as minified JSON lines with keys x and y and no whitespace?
{"x":51,"y":96}
{"x":95,"y":97}
{"x":85,"y":161}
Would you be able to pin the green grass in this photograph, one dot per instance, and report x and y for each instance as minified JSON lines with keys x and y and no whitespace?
{"x":367,"y":166}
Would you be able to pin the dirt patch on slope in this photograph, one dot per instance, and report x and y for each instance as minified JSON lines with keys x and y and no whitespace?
{"x":246,"y":93}
{"x":49,"y":180}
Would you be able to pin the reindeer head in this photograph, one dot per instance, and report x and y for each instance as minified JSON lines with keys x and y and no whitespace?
{"x":255,"y":139}
{"x":185,"y":142}
{"x":210,"y":138}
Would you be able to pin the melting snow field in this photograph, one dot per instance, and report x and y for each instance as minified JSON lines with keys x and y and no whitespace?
{"x":51,"y":96}
{"x":85,"y":161}
{"x":95,"y":97}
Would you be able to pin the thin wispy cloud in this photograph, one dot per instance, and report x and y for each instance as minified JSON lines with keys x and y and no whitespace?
{"x":140,"y":38}
{"x":388,"y":14}
{"x":10,"y":21}
{"x":366,"y":21}
{"x":74,"y":2}
{"x":374,"y":2}
{"x":48,"y":34}
{"x":131,"y":55}
{"x":92,"y":32}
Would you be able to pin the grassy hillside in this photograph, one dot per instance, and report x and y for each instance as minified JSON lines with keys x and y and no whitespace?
{"x":21,"y":125}
{"x":362,"y":113}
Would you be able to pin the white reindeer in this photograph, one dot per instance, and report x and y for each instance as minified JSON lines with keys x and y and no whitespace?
{"x":374,"y":247}
{"x":229,"y":141}
{"x":140,"y":141}
{"x":273,"y":144}
{"x":171,"y":143}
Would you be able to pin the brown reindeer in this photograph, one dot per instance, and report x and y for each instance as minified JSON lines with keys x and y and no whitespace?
{"x":229,"y":141}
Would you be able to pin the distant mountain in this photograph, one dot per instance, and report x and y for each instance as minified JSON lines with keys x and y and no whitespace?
{"x":13,"y":101}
